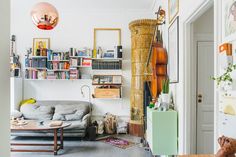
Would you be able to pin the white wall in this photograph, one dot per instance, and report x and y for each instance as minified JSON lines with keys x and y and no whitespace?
{"x":4,"y":78}
{"x":205,"y":23}
{"x":75,"y":29}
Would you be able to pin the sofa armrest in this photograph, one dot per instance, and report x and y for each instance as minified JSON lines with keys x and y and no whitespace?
{"x":86,"y":118}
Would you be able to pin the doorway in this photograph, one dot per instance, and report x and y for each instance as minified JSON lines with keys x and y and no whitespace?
{"x":204,"y":110}
{"x":199,"y":88}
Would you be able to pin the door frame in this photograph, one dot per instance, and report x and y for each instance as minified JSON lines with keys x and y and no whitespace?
{"x":190,"y":104}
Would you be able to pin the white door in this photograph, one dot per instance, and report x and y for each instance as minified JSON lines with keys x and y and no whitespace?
{"x":205,"y":98}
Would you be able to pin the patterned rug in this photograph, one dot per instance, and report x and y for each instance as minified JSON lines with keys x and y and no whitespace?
{"x":117,"y":142}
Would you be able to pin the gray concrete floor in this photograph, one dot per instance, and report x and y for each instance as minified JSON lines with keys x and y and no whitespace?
{"x":78,"y":148}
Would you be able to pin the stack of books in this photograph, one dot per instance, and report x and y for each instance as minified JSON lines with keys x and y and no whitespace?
{"x":35,"y":74}
{"x":38,"y":63}
{"x":51,"y":75}
{"x":74,"y":74}
{"x":87,"y":62}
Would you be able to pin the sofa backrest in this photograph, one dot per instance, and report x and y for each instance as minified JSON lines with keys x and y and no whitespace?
{"x":56,"y":110}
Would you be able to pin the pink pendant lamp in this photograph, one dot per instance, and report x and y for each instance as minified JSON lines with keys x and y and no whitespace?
{"x":45,"y":16}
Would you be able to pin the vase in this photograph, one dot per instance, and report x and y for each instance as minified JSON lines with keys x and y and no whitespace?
{"x":165,"y":98}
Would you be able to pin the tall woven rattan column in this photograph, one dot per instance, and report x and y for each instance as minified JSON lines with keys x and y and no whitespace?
{"x":142,"y":32}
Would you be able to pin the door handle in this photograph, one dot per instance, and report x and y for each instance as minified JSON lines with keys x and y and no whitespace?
{"x":199,"y":98}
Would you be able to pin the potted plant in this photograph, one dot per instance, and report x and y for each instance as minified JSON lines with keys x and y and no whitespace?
{"x":225,"y":81}
{"x":165,"y":96}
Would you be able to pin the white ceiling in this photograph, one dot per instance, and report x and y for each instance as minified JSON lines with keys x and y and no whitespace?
{"x":114,"y":5}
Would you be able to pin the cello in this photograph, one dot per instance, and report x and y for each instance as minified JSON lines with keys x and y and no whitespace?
{"x":158,"y":57}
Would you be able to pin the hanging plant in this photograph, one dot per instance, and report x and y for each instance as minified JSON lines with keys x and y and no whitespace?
{"x":226,"y":77}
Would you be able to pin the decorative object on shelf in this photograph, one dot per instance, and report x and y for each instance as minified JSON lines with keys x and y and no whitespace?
{"x":45,"y":16}
{"x":99,"y":52}
{"x":165,"y":95}
{"x":228,"y":19}
{"x":40,"y":46}
{"x":96,"y":30}
{"x":227,"y":147}
{"x":173,"y":54}
{"x":226,"y":57}
{"x":173,"y":7}
{"x":118,"y":52}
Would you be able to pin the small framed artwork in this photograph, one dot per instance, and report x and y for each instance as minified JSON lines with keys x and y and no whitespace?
{"x":40,"y":45}
{"x":228,"y":19}
{"x":173,"y":8}
{"x":173,"y":51}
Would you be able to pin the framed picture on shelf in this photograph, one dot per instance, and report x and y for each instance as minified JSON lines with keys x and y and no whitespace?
{"x":112,"y":36}
{"x":109,"y":54}
{"x":40,"y":45}
{"x":173,"y":51}
{"x":107,"y":79}
{"x":173,"y":8}
{"x":228,"y":19}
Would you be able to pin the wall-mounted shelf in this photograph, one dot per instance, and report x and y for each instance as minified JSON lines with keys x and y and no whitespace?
{"x":88,"y":57}
{"x":107,"y":59}
{"x":58,"y":60}
{"x":58,"y":69}
{"x":57,"y":79}
{"x":38,"y":57}
{"x":32,"y":68}
{"x":107,"y":98}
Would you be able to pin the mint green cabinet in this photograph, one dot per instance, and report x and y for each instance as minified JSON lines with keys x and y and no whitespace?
{"x":162,"y":132}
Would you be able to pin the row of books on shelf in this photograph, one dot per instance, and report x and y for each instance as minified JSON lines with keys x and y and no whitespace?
{"x":58,"y":75}
{"x":75,"y":62}
{"x":51,"y":75}
{"x":114,"y":65}
{"x":52,"y":56}
{"x":58,"y":65}
{"x":36,"y":62}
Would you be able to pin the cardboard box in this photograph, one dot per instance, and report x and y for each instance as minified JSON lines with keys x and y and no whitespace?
{"x":107,"y":93}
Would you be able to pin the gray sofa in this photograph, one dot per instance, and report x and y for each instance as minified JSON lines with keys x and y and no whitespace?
{"x":77,"y":113}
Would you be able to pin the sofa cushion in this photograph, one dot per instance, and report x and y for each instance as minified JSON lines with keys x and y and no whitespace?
{"x":37,"y":112}
{"x":71,"y":112}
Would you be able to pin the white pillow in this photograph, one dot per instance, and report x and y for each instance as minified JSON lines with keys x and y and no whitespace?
{"x":16,"y":114}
